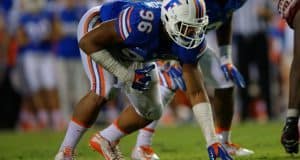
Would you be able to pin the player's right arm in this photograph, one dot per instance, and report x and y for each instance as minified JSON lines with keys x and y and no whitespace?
{"x":194,"y":84}
{"x":107,"y":34}
{"x":94,"y":44}
{"x":99,"y":38}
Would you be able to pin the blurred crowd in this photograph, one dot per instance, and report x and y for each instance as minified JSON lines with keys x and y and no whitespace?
{"x":42,"y":78}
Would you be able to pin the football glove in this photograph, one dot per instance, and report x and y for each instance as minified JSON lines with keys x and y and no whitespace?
{"x":142,"y":78}
{"x":232,"y":73}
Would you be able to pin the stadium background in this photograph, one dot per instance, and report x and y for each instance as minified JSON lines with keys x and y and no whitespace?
{"x":260,"y":113}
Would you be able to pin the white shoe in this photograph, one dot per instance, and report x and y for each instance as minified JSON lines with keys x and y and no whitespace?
{"x":236,"y":150}
{"x":144,"y":153}
{"x":110,"y":151}
{"x":66,"y":154}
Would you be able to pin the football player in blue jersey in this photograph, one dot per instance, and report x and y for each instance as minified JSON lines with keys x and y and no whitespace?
{"x":118,"y":40}
{"x":289,"y":10}
{"x":218,"y":72}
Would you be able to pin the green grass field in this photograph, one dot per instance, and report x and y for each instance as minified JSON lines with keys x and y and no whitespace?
{"x":175,"y":143}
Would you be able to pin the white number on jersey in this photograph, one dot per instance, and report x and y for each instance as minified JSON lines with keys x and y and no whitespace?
{"x":145,"y":25}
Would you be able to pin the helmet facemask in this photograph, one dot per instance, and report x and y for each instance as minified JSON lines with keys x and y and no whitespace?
{"x":186,"y":32}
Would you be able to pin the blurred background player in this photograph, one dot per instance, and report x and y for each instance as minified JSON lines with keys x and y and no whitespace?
{"x":35,"y":33}
{"x":144,"y":22}
{"x":289,"y":10}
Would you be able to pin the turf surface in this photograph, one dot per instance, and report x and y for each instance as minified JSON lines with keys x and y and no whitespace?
{"x":172,"y":143}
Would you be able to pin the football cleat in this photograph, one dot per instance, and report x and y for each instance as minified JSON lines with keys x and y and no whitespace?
{"x":216,"y":150}
{"x":66,"y":154}
{"x":236,"y":150}
{"x":110,"y":151}
{"x":144,"y":153}
{"x":290,"y":136}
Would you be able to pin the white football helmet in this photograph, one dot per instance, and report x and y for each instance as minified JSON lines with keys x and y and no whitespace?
{"x":185,"y":21}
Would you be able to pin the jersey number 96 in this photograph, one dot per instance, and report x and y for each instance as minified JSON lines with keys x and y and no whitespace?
{"x":145,"y":25}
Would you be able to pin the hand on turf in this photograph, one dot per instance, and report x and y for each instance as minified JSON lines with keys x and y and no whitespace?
{"x":216,"y":150}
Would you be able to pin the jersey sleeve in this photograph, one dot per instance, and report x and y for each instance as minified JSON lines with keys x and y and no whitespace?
{"x":132,"y":28}
{"x":190,"y":56}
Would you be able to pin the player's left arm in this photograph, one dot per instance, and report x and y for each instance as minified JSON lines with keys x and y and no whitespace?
{"x":194,"y":84}
{"x":224,"y":38}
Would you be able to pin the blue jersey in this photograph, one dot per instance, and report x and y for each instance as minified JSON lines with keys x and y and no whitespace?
{"x":69,"y":19}
{"x":37,"y":27}
{"x":218,"y":15}
{"x":140,"y":26}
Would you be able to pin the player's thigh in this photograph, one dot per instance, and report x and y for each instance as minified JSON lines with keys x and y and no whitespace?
{"x":86,"y":24}
{"x":87,"y":21}
{"x":147,"y":103}
{"x":212,"y":72}
{"x":101,"y":81}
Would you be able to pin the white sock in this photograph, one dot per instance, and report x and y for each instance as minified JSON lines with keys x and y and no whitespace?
{"x":73,"y":135}
{"x":204,"y":117}
{"x":224,"y":136}
{"x":145,"y":134}
{"x":112,"y":133}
